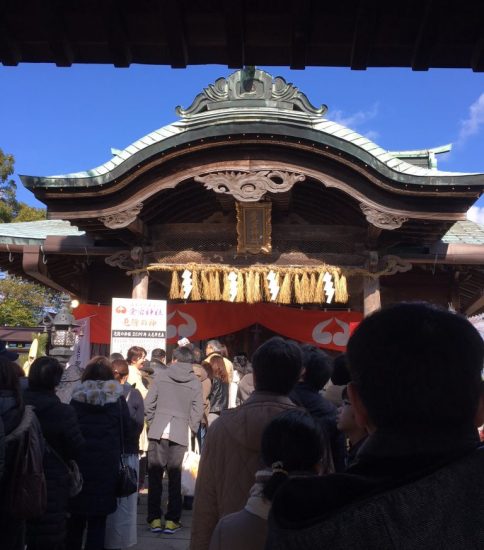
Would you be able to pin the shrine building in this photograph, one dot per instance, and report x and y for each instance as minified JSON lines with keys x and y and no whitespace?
{"x":254,"y":197}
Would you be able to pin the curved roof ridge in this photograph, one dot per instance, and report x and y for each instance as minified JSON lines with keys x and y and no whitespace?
{"x":262,"y":115}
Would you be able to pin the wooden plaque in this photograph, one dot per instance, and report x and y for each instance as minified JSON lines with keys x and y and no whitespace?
{"x":254,"y":227}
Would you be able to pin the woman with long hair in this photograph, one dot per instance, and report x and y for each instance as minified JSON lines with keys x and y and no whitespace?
{"x":135,"y":357}
{"x":64,"y":442}
{"x":121,"y":529}
{"x":293,"y":444}
{"x":219,"y":393}
{"x":103,"y":415}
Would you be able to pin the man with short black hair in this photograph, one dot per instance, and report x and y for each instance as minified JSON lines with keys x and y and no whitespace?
{"x":158,"y":356}
{"x":173,"y":405}
{"x":316,"y":372}
{"x":152,"y":367}
{"x":230,"y":457}
{"x":417,"y":483}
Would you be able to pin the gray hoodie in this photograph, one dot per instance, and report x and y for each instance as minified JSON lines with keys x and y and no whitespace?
{"x":175,"y":398}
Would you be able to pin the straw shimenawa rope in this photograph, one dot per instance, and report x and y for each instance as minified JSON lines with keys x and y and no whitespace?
{"x":297,"y":284}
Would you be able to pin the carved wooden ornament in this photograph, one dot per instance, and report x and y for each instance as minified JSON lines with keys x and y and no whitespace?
{"x":126,"y":259}
{"x":250,"y":186}
{"x":384,"y":220}
{"x":122,"y":218}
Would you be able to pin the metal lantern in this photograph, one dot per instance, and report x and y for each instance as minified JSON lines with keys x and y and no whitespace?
{"x":62,"y":328}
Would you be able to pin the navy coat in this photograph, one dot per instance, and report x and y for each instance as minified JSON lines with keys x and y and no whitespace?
{"x":100,"y":413}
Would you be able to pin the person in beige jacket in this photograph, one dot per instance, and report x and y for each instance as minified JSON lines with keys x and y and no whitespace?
{"x":293,"y":444}
{"x":231,"y":454}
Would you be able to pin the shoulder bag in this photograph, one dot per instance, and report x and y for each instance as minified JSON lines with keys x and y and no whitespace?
{"x":127,"y":478}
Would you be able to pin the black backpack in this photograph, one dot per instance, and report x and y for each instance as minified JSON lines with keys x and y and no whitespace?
{"x":27,"y":486}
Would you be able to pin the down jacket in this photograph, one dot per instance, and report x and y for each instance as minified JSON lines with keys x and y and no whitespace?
{"x":229,"y":462}
{"x":100,"y":408}
{"x":62,"y":434}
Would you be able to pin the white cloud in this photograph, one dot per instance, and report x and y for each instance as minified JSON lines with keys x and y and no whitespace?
{"x":476,"y":214}
{"x":445,"y":157}
{"x":471,"y":125}
{"x":372,"y":135}
{"x":355,"y":119}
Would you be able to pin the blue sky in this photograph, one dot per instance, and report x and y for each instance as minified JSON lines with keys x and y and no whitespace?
{"x":56,"y":120}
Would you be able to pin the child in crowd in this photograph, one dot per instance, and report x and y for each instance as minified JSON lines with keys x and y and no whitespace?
{"x":293,"y":444}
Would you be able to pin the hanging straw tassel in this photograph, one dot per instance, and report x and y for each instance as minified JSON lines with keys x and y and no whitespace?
{"x":240,"y":287}
{"x":175,"y":286}
{"x":257,"y":290}
{"x":319,"y":293}
{"x":341,"y":288}
{"x":284,"y":296}
{"x":305,"y":288}
{"x":249,"y":287}
{"x":226,"y":290}
{"x":312,"y":288}
{"x":196,"y":294}
{"x":206,"y":290}
{"x":297,"y":289}
{"x":214,"y":278}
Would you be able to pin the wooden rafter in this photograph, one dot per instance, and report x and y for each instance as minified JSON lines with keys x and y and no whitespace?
{"x":476,"y":305}
{"x":363,"y":34}
{"x":55,"y":26}
{"x":174,"y":27}
{"x":477,"y":58}
{"x":118,"y":39}
{"x":426,"y":37}
{"x":235,"y":33}
{"x":301,"y":30}
{"x":9,"y":48}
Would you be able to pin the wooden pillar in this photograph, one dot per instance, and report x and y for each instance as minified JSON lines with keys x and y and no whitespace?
{"x":140,"y":285}
{"x":371,"y":295}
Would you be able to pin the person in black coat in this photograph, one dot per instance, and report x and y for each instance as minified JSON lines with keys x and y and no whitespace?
{"x":316,"y":372}
{"x":62,"y":434}
{"x":12,"y":530}
{"x":100,"y":407}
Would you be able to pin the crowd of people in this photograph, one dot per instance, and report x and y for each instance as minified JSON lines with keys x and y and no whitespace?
{"x":376,"y":448}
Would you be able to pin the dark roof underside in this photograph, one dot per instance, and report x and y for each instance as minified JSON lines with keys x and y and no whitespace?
{"x":350,"y":33}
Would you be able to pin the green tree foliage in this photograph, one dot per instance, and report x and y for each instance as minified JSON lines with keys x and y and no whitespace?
{"x":23,"y":303}
{"x":28,"y":213}
{"x":10,"y":208}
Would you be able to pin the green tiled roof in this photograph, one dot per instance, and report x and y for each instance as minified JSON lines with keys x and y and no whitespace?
{"x":226,"y":118}
{"x":35,"y":232}
{"x":230,"y":116}
{"x":465,"y":232}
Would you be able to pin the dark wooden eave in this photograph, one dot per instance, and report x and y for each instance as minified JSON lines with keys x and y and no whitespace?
{"x":355,"y":33}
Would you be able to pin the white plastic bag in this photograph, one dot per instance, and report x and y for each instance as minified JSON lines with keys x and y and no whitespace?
{"x":190,"y":467}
